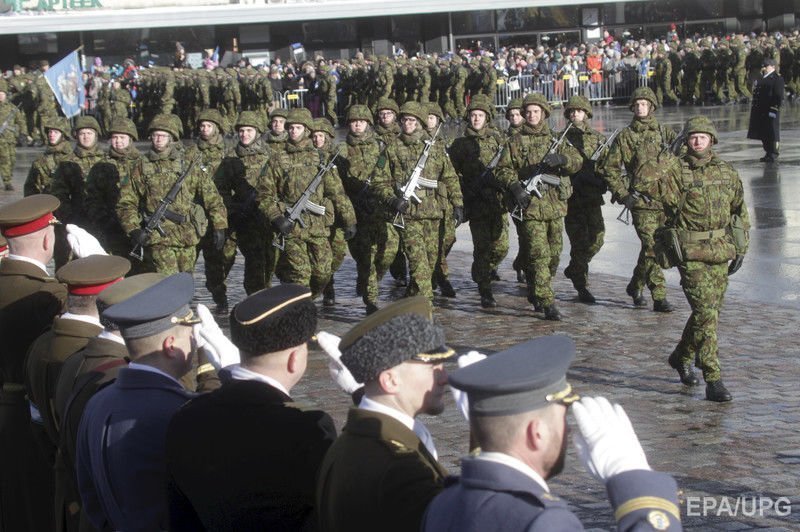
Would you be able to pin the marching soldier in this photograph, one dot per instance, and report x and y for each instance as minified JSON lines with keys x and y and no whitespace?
{"x":542,"y":218}
{"x":584,"y":220}
{"x":515,"y":122}
{"x":43,"y":169}
{"x":387,"y":127}
{"x":12,"y":127}
{"x":196,"y":202}
{"x":483,"y":198}
{"x":643,"y":141}
{"x":306,"y":257}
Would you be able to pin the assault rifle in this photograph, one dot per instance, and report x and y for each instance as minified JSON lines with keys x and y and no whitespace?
{"x":5,"y":124}
{"x":533,"y":185}
{"x":625,"y":215}
{"x":416,"y":180}
{"x":153,"y":222}
{"x":604,"y":146}
{"x":304,"y":203}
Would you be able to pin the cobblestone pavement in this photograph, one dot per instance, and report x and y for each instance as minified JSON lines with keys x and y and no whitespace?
{"x":735,"y":461}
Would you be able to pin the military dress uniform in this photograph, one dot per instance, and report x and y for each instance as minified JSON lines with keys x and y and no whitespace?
{"x":703,"y":198}
{"x":765,"y":115}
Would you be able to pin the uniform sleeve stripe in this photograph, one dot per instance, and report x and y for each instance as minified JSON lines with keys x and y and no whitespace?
{"x":647,"y":503}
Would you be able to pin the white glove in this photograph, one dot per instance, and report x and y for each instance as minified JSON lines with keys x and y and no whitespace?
{"x":221,"y":351}
{"x":82,"y":242}
{"x":460,"y":397}
{"x":339,"y":373}
{"x":773,"y":115}
{"x":606,"y":443}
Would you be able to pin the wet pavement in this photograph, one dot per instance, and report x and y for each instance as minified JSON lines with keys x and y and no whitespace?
{"x":738,"y":464}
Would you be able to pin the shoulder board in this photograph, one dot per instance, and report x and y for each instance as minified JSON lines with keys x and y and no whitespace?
{"x":398,"y":447}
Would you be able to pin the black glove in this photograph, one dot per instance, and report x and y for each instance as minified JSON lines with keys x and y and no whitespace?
{"x":283,"y":225}
{"x":400,"y":205}
{"x":458,"y":215}
{"x":139,"y":237}
{"x":219,"y":239}
{"x":629,"y":201}
{"x":350,"y":232}
{"x":555,"y":160}
{"x":735,"y":264}
{"x":522,"y":198}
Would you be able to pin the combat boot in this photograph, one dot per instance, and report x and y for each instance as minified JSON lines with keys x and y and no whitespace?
{"x":551,"y":313}
{"x":494,"y":276}
{"x":686,"y":373}
{"x":637,"y":296}
{"x":371,"y":308}
{"x":584,"y":296}
{"x":537,"y":306}
{"x":221,"y":300}
{"x":329,"y":295}
{"x":487,"y":298}
{"x":9,"y":187}
{"x":520,"y":276}
{"x":446,"y":289}
{"x":716,"y":391}
{"x":662,"y":305}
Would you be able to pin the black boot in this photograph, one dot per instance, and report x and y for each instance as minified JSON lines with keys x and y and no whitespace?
{"x":9,"y":187}
{"x":520,"y":276}
{"x":493,"y":275}
{"x":637,"y":296}
{"x":537,"y":306}
{"x":220,"y":297}
{"x":551,"y":313}
{"x":662,"y":305}
{"x":371,"y":308}
{"x":446,"y":289}
{"x":487,"y":298}
{"x":329,"y":295}
{"x":686,"y":373}
{"x":584,"y":296}
{"x":716,"y":391}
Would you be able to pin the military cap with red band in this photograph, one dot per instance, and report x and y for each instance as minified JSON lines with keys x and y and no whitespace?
{"x":28,"y":215}
{"x":91,"y":275}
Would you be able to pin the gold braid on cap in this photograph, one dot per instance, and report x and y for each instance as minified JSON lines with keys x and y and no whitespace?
{"x":189,"y":319}
{"x":433,"y":357}
{"x":565,"y":396}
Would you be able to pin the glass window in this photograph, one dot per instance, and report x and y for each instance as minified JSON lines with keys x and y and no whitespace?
{"x":661,"y":11}
{"x":329,"y":31}
{"x":529,"y":18}
{"x":37,"y":43}
{"x":467,"y":22}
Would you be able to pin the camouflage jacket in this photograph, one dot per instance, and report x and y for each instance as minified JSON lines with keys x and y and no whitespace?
{"x":103,"y":185}
{"x":403,"y":155}
{"x":525,"y":151}
{"x":43,"y":169}
{"x":470,"y":155}
{"x":701,"y":197}
{"x":150,"y":182}
{"x":387,"y":135}
{"x":641,"y":143}
{"x":588,"y":186}
{"x":276,"y":143}
{"x":363,"y":165}
{"x":211,"y":154}
{"x":69,"y":183}
{"x":12,"y":120}
{"x":243,"y":169}
{"x":288,"y":178}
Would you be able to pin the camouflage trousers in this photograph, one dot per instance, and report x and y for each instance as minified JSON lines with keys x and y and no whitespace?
{"x":306,"y":260}
{"x":647,"y":271}
{"x":170,"y":259}
{"x":338,"y":252}
{"x":373,"y":248}
{"x":217,"y":263}
{"x":447,"y":237}
{"x":8,"y":157}
{"x":421,"y":239}
{"x":489,"y":247}
{"x":704,"y":286}
{"x":585,"y":230}
{"x":260,"y":258}
{"x":541,"y":242}
{"x":662,"y":88}
{"x":740,"y":78}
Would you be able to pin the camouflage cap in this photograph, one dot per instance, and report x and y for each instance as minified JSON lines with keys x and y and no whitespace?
{"x":481,"y":102}
{"x":250,"y":119}
{"x":537,"y":98}
{"x":435,"y":109}
{"x":701,"y":124}
{"x":299,"y":116}
{"x":387,"y":103}
{"x":578,"y":102}
{"x":211,"y":115}
{"x":416,"y":110}
{"x":280,"y":111}
{"x":322,"y":125}
{"x":59,"y":123}
{"x":123,"y":125}
{"x":644,"y":93}
{"x":359,"y":112}
{"x":86,"y":122}
{"x":164,"y":122}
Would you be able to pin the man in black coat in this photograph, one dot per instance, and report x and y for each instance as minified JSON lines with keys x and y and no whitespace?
{"x":765,"y":122}
{"x":257,"y":469}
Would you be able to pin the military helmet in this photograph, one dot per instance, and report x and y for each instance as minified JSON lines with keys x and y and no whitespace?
{"x":644,"y":93}
{"x":59,"y":123}
{"x":299,"y":116}
{"x":701,"y":124}
{"x":514,"y":103}
{"x":578,"y":102}
{"x":164,"y":122}
{"x":387,"y":103}
{"x":537,"y":98}
{"x":322,"y":125}
{"x":435,"y":109}
{"x":414,"y":109}
{"x":3,"y":86}
{"x":359,"y":112}
{"x":124,"y":125}
{"x":249,"y":119}
{"x":481,"y":102}
{"x":279,"y":112}
{"x":211,"y":115}
{"x":86,"y":122}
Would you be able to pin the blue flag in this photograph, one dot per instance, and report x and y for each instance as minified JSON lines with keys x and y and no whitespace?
{"x":65,"y":80}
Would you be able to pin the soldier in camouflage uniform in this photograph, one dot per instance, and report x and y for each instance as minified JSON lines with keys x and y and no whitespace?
{"x":198,"y":203}
{"x":277,"y":136}
{"x":421,"y":231}
{"x":483,"y":197}
{"x":740,"y":69}
{"x":724,"y":75}
{"x":327,"y":92}
{"x":456,"y":105}
{"x":643,"y":141}
{"x":584,"y":220}
{"x":44,"y":101}
{"x":691,"y":74}
{"x":515,"y":123}
{"x":306,"y":258}
{"x":12,"y":126}
{"x":104,"y":183}
{"x":375,"y":245}
{"x":40,"y":176}
{"x":209,"y":149}
{"x":703,"y":198}
{"x":662,"y":78}
{"x":115,"y":102}
{"x":540,"y":231}
{"x":245,"y":167}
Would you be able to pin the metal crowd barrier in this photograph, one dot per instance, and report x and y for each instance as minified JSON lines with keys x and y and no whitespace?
{"x":289,"y":99}
{"x":618,"y":86}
